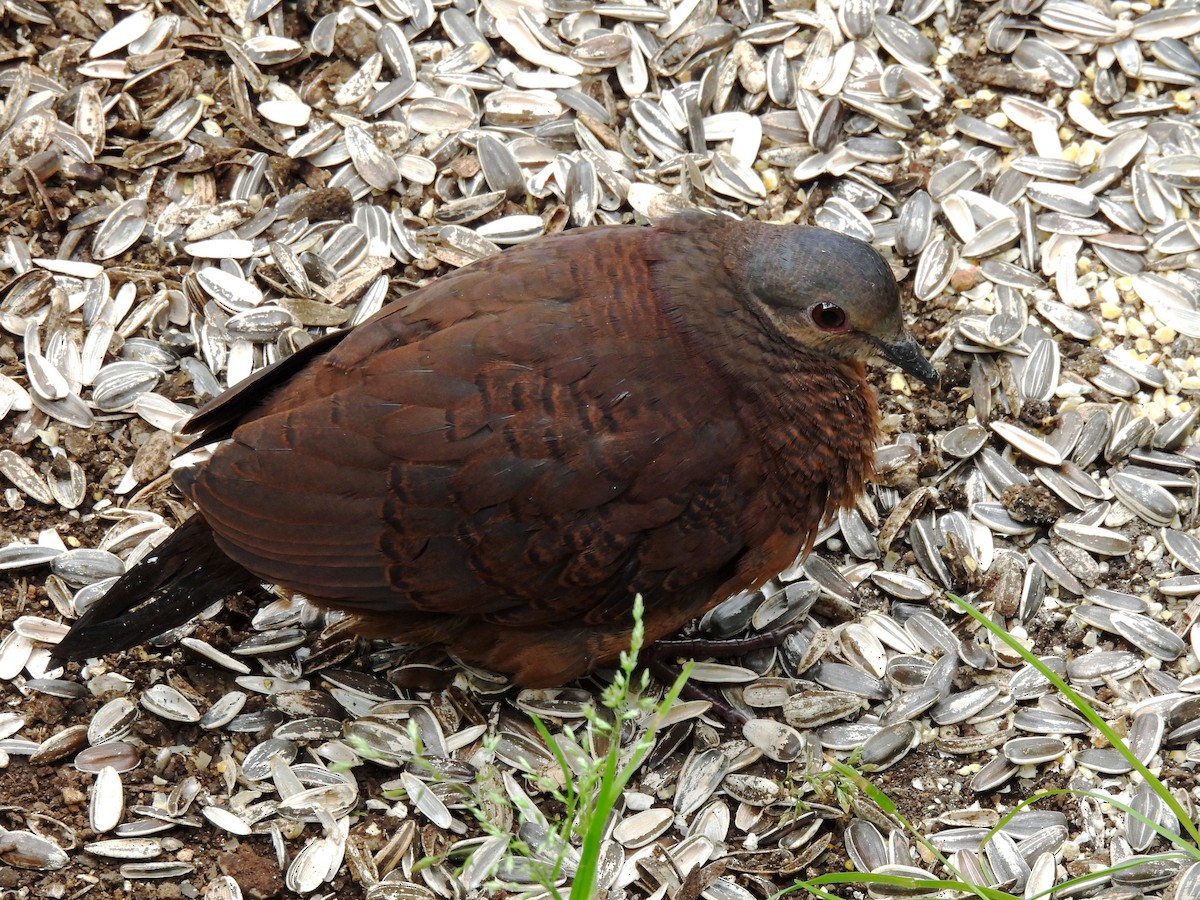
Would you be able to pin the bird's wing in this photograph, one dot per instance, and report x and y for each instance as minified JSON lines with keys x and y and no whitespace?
{"x":217,"y":419}
{"x":514,"y":442}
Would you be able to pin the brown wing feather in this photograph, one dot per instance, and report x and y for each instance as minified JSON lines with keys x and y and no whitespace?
{"x":500,"y":442}
{"x":217,"y":419}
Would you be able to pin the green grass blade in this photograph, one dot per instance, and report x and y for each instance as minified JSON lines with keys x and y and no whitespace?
{"x":1171,"y":837}
{"x":1085,"y":709}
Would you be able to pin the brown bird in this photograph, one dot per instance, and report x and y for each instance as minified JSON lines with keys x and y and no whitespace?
{"x":500,"y":461}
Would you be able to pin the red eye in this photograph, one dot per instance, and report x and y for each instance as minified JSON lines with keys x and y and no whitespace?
{"x":828,"y":316}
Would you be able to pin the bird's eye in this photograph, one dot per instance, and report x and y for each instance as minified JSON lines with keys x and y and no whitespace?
{"x":828,"y":316}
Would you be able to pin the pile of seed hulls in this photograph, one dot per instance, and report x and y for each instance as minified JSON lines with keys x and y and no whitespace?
{"x":191,"y":191}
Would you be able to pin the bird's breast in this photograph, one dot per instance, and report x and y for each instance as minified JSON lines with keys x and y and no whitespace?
{"x":817,"y":430}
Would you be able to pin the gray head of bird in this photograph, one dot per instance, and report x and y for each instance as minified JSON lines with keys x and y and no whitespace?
{"x":828,"y":294}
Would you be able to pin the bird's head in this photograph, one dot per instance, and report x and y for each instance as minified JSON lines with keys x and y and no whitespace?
{"x":826,"y":293}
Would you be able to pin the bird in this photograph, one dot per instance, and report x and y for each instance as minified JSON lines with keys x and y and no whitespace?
{"x":500,"y":461}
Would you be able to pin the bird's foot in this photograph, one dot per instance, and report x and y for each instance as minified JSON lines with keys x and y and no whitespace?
{"x":662,"y":656}
{"x":667,"y":672}
{"x":723,"y":647}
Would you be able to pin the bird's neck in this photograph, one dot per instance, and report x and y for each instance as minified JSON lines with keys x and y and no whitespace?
{"x":813,"y":414}
{"x":817,"y":417}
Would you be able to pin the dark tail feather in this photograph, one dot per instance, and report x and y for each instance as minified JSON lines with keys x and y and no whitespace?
{"x":184,"y":575}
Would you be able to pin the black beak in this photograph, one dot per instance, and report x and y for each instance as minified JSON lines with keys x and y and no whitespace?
{"x":906,"y":353}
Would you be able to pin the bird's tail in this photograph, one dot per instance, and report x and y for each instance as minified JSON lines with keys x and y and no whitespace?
{"x":185,"y":574}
